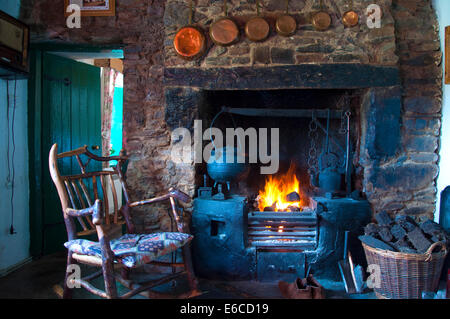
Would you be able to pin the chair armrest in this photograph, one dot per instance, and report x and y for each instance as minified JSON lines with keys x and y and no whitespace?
{"x":95,"y":210}
{"x":173,"y":193}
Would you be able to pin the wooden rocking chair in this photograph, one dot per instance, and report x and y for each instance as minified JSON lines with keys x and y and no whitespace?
{"x":90,"y":207}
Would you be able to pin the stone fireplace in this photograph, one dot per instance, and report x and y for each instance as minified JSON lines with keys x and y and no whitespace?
{"x":393,"y":160}
{"x":373,"y":97}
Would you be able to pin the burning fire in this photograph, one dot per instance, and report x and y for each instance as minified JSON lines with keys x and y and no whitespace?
{"x":277,"y":188}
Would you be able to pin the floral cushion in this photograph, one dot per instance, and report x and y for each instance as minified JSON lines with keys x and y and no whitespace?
{"x":133,"y":250}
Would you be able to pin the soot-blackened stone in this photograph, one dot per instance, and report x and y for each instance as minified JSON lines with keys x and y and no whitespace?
{"x":418,"y":240}
{"x":282,"y":56}
{"x":383,"y":219}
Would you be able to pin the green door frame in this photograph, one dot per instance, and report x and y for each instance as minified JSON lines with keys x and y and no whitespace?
{"x":37,"y":160}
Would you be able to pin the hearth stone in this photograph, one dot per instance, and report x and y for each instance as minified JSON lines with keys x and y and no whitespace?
{"x":221,"y":249}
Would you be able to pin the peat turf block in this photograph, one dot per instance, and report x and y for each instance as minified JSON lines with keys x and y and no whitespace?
{"x":398,"y":231}
{"x":406,"y":222}
{"x":403,"y":246}
{"x":371,"y":229}
{"x":431,"y":228}
{"x":383,"y":219}
{"x":385,"y":233}
{"x":418,"y":240}
{"x":375,"y":243}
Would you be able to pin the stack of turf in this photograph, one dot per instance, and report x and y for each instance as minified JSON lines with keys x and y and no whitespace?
{"x":403,"y":234}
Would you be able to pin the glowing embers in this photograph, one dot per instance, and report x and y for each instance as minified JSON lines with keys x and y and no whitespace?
{"x":282,"y":193}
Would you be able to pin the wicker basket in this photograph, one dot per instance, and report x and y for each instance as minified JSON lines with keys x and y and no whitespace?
{"x":406,"y":276}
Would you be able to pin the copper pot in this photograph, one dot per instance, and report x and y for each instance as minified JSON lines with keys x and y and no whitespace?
{"x":224,"y":31}
{"x":257,"y":29}
{"x":286,"y":24}
{"x":189,"y":41}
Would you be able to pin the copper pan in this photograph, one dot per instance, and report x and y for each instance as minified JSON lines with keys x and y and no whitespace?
{"x":189,"y":41}
{"x":321,"y":20}
{"x":257,"y":29}
{"x":286,"y":24}
{"x":350,"y":18}
{"x":224,"y":31}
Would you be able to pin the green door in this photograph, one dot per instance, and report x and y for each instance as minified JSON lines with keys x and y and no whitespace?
{"x":71,"y":106}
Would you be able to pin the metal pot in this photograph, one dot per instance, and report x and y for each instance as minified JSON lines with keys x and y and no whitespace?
{"x":222,"y":170}
{"x":330,"y":180}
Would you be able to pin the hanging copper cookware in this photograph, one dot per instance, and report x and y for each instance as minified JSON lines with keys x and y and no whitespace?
{"x":286,"y":24}
{"x":321,"y":20}
{"x":189,"y":41}
{"x":350,"y":18}
{"x":224,"y":31}
{"x":257,"y":29}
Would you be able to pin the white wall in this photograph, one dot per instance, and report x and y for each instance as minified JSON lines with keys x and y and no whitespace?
{"x":14,"y":249}
{"x":442,"y":8}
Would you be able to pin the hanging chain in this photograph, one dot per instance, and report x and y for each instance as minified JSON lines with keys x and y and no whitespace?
{"x":345,"y":108}
{"x":313,"y":163}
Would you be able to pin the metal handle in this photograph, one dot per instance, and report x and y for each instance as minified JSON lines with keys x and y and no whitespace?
{"x":346,"y":245}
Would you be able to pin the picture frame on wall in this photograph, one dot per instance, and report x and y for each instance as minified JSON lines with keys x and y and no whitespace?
{"x":447,"y":55}
{"x":93,"y":7}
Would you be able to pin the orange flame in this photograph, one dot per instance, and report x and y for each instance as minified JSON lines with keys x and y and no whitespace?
{"x":277,"y":188}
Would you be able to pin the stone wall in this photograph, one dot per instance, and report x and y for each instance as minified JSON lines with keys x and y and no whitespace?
{"x":409,"y":183}
{"x":403,"y":182}
{"x":337,"y":44}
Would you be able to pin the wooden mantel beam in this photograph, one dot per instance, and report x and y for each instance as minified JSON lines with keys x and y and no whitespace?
{"x":303,"y":76}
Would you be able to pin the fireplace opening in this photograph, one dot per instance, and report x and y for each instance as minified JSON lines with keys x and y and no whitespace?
{"x":312,"y":127}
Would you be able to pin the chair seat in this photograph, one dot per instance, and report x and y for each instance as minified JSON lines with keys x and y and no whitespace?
{"x":133,"y":250}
